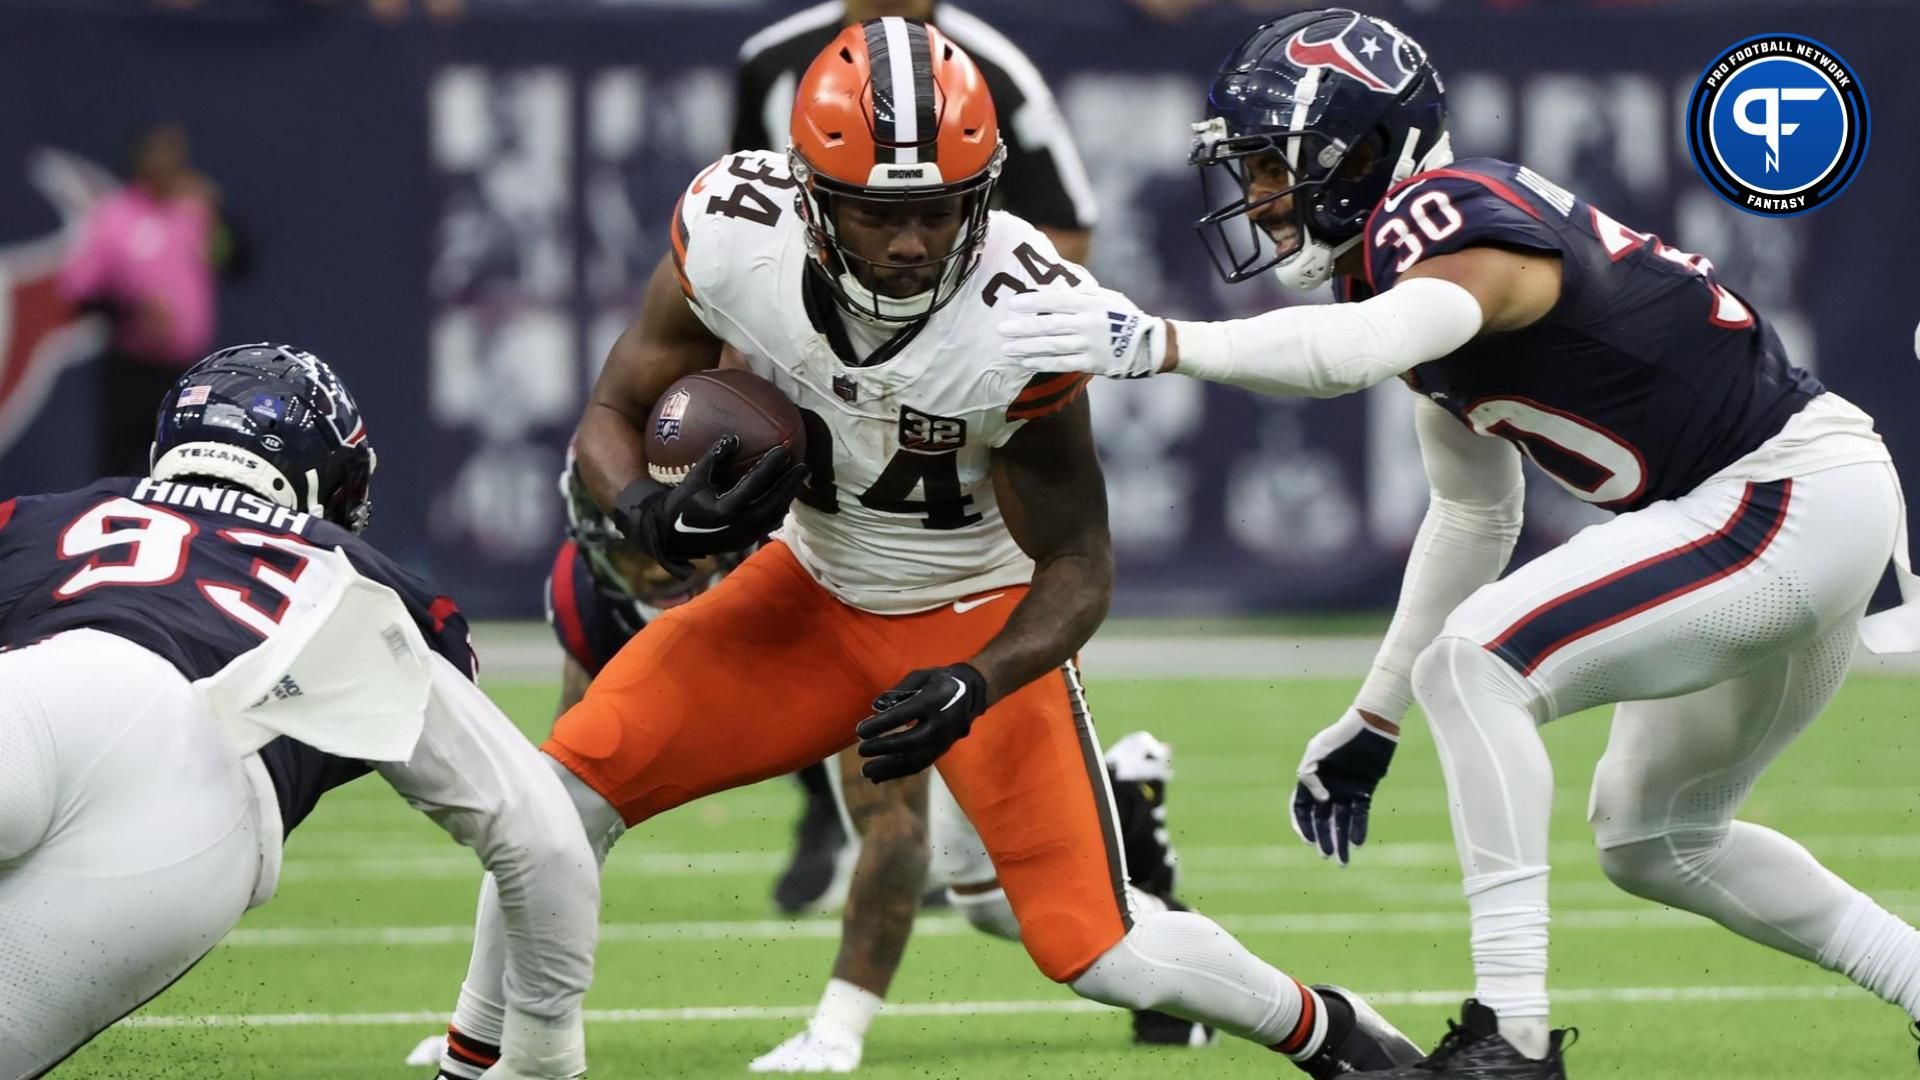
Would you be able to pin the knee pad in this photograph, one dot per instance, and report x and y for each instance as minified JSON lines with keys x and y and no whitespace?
{"x":601,"y":821}
{"x":1453,"y":670}
{"x":1064,"y":938}
{"x":1663,"y":867}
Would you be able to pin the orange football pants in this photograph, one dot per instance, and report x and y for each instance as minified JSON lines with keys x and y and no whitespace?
{"x":768,"y":672}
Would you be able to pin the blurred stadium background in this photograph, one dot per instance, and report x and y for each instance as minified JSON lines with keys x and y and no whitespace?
{"x":457,"y":201}
{"x":458,"y":213}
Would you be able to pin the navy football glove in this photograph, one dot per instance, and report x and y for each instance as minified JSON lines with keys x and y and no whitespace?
{"x":1338,"y":774}
{"x":914,"y":723}
{"x":694,"y":518}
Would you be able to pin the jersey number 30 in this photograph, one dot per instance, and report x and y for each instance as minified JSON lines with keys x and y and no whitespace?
{"x":157,"y":543}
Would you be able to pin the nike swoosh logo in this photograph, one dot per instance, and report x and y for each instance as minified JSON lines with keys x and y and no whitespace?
{"x":959,"y":691}
{"x":1399,"y":196}
{"x":961,"y":607}
{"x":680,"y":525}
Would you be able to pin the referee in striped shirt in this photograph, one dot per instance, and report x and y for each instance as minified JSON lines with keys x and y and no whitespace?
{"x":1043,"y":180}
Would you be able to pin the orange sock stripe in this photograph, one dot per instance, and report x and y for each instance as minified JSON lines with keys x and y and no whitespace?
{"x":470,"y":1051}
{"x":1302,"y":1031}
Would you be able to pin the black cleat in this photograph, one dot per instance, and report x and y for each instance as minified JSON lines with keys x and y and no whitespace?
{"x":1474,"y":1049}
{"x":1357,"y":1039}
{"x":1161,"y":1029}
{"x":817,"y":843}
{"x":1138,"y":769}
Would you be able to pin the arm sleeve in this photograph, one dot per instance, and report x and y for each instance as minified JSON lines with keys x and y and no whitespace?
{"x":1473,"y":518}
{"x":1326,"y":350}
{"x":478,"y":778}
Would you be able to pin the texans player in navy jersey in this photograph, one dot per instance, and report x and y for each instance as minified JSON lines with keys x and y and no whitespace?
{"x":1756,"y":509}
{"x":256,"y":653}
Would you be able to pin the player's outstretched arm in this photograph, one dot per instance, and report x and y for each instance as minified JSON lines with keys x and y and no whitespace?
{"x":1473,"y":519}
{"x":1054,"y":499}
{"x":667,"y":341}
{"x":477,"y":776}
{"x":1313,"y":350}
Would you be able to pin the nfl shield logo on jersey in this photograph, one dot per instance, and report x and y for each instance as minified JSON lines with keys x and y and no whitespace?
{"x":667,"y":427}
{"x":1778,"y":124}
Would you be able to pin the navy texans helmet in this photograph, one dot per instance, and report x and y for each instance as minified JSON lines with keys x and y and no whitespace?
{"x":1329,"y":108}
{"x":274,"y":420}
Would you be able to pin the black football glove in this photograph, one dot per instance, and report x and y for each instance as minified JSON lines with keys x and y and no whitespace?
{"x":1338,"y":774}
{"x":914,"y":723}
{"x":694,"y":518}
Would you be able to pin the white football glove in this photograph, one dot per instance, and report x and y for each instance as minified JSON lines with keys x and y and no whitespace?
{"x":1337,"y":777}
{"x":1097,"y":331}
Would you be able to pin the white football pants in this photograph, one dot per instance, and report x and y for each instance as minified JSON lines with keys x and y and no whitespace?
{"x":1722,"y":622}
{"x":128,"y":840}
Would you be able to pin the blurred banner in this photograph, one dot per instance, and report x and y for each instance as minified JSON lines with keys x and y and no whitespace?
{"x":460,"y":217}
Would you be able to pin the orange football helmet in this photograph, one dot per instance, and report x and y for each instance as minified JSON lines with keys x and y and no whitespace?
{"x":892,"y":111}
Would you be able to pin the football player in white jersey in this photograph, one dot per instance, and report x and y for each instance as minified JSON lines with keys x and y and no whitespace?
{"x":946,"y":559}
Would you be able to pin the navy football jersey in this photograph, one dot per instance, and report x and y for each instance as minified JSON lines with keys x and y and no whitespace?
{"x":1646,"y":378}
{"x":592,"y":623}
{"x":198,"y":575}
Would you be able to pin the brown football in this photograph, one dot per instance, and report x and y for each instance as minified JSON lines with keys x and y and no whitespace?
{"x":698,"y":409}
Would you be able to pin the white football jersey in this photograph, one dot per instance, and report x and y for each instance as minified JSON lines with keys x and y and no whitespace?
{"x":899,"y":514}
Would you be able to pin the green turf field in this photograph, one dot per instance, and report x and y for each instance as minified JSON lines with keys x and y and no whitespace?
{"x":362,"y":950}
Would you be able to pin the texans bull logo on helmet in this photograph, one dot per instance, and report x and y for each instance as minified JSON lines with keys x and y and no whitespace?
{"x":1371,"y":51}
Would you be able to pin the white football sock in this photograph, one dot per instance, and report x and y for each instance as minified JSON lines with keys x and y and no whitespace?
{"x":847,"y":1009}
{"x":1879,"y":951}
{"x":481,"y":1012}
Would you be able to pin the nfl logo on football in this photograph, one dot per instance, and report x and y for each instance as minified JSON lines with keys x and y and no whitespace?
{"x":671,"y":410}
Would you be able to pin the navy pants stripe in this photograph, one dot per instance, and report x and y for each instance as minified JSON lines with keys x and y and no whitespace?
{"x":1648,"y":583}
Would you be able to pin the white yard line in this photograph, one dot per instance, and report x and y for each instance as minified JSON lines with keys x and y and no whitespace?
{"x":449,"y":862}
{"x":523,"y":652}
{"x":1373,"y":923}
{"x":1674,"y":995}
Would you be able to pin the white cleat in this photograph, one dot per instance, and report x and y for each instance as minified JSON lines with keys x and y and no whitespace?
{"x":815,"y":1050}
{"x":429,"y":1051}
